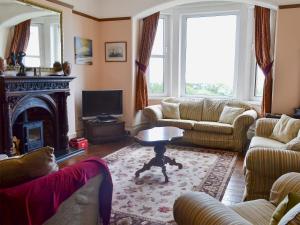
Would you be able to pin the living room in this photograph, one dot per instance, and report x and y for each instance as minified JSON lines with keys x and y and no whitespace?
{"x":189,"y":109}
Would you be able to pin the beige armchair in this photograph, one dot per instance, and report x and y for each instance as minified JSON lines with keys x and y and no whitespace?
{"x":266,"y":160}
{"x":200,"y":209}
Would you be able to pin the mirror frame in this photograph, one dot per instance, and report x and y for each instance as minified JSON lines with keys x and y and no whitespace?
{"x":61,"y":22}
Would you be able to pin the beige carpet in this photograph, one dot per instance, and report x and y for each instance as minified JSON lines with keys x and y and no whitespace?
{"x":147,"y":200}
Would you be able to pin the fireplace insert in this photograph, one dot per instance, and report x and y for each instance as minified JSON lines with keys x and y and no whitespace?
{"x":31,"y":135}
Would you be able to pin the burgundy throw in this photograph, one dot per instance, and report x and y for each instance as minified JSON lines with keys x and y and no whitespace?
{"x":34,"y":202}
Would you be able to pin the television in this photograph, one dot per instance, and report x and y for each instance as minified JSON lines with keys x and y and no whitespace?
{"x":102,"y":103}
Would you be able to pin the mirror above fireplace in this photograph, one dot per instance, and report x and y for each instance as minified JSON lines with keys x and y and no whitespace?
{"x":31,"y":28}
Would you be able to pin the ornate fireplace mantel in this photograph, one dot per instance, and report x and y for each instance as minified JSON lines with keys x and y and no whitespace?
{"x":18,"y":94}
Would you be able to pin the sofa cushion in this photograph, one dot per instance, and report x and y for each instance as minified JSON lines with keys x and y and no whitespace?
{"x":214,"y":127}
{"x":294,"y":144}
{"x":291,"y":200}
{"x":258,"y":212}
{"x":262,"y":142}
{"x":286,"y":129}
{"x":212,"y":109}
{"x":170,"y":110}
{"x":182,"y":124}
{"x":20,"y":169}
{"x":191,"y":110}
{"x":292,"y":217}
{"x":229,"y":114}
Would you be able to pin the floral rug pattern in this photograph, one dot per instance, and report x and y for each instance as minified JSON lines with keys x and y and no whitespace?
{"x":147,"y":200}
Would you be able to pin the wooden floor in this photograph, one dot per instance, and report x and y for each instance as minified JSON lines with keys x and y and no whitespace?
{"x":233,"y":193}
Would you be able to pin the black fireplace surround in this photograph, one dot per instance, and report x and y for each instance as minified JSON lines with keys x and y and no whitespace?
{"x":18,"y":95}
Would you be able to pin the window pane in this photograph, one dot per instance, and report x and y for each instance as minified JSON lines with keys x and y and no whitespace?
{"x":32,"y":61}
{"x":156,"y":76}
{"x":158,"y":46}
{"x":259,"y":82}
{"x":33,"y":48}
{"x":210,"y":55}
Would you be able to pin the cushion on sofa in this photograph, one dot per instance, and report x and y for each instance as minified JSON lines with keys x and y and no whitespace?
{"x":20,"y":169}
{"x":191,"y":109}
{"x":229,"y":114}
{"x":213,"y":127}
{"x":291,"y":200}
{"x":212,"y":109}
{"x":256,"y":212}
{"x":262,"y":142}
{"x":294,"y":144}
{"x":286,"y":129}
{"x":182,"y":124}
{"x":170,"y":110}
{"x":292,"y":217}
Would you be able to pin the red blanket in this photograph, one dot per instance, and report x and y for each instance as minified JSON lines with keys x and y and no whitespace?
{"x":36,"y":201}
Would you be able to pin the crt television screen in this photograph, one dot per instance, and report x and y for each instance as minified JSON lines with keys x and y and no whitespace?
{"x":95,"y":103}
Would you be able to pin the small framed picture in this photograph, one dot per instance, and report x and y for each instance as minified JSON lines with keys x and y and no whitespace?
{"x":83,"y":51}
{"x":116,"y":51}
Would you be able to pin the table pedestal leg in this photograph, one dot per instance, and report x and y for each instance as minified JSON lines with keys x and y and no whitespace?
{"x":159,"y":160}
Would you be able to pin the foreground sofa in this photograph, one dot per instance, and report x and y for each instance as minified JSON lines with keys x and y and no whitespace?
{"x":266,"y":160}
{"x":200,"y":209}
{"x":45,"y":195}
{"x":199,"y":118}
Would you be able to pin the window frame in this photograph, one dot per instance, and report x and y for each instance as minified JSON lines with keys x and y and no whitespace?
{"x":166,"y":61}
{"x":184,"y":46}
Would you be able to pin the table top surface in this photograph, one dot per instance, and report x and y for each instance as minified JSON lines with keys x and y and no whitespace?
{"x":159,"y":134}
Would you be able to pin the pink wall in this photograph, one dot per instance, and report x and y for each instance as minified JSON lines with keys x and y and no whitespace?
{"x":286,"y":95}
{"x":100,"y":75}
{"x":117,"y":75}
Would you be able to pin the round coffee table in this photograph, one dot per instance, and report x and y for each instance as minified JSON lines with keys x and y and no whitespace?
{"x":159,"y":137}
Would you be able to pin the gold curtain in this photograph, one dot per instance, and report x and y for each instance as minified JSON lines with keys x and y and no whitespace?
{"x":148,"y":35}
{"x":263,"y":57}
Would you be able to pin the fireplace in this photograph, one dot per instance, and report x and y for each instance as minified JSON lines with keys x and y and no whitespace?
{"x":34,"y":109}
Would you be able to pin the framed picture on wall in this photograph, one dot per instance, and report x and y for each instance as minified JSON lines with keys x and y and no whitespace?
{"x":83,"y":51}
{"x":116,"y":51}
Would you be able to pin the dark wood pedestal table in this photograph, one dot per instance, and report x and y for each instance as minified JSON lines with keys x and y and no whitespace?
{"x":159,"y":137}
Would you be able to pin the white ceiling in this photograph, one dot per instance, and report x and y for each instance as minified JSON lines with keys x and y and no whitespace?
{"x":124,"y":8}
{"x":12,"y":13}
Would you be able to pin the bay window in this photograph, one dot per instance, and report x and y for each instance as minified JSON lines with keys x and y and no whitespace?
{"x":259,"y":82}
{"x":33,"y":52}
{"x":205,"y":50}
{"x":158,"y":69}
{"x":209,"y":46}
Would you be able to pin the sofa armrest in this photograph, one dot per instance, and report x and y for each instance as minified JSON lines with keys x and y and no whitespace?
{"x":199,"y":208}
{"x":272,"y":163}
{"x":153,"y":113}
{"x":245,"y":120}
{"x":265,"y":126}
{"x":285,"y":184}
{"x":82,"y":207}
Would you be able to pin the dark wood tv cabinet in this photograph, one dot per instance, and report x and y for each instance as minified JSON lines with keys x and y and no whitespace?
{"x":98,"y":132}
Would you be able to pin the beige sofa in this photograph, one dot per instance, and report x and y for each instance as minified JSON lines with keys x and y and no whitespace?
{"x":199,"y":118}
{"x":200,"y":209}
{"x":266,"y":160}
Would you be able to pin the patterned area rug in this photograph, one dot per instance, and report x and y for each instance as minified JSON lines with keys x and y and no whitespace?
{"x":147,"y":200}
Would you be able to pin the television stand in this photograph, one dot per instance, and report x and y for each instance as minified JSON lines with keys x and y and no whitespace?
{"x":98,"y":131}
{"x":106,"y":118}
